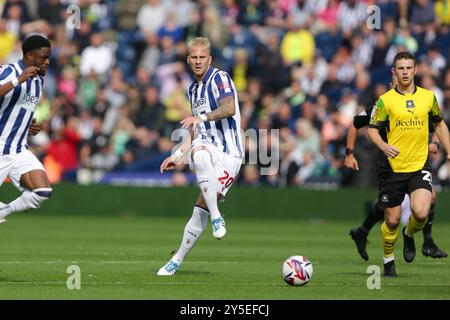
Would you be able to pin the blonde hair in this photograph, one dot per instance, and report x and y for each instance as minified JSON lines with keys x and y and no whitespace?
{"x":200,"y":41}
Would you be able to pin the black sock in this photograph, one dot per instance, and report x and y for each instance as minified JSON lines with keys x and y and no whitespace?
{"x":375,"y":214}
{"x":427,"y":238}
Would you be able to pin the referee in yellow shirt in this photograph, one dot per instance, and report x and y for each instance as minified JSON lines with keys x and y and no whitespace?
{"x":404,"y":113}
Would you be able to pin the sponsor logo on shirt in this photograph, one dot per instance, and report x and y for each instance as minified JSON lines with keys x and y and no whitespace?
{"x":200,"y":102}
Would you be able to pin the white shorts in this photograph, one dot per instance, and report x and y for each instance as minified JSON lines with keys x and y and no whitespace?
{"x":13,"y":166}
{"x":226,"y":167}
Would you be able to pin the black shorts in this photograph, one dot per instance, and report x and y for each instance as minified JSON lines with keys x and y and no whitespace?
{"x":393,"y":186}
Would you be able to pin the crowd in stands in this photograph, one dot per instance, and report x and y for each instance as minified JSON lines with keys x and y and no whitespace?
{"x":116,"y":87}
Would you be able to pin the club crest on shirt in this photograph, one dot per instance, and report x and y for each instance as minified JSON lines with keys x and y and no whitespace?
{"x":410,"y":104}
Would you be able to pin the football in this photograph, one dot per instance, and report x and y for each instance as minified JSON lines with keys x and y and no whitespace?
{"x":297,"y":270}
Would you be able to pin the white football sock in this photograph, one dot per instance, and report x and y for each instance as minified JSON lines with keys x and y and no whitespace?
{"x":206,"y":176}
{"x":28,"y":200}
{"x":192,"y":232}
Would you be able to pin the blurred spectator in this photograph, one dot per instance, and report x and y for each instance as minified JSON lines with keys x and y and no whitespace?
{"x":307,"y":170}
{"x":442,"y":11}
{"x":328,"y":16}
{"x":151,"y":16}
{"x":179,"y":179}
{"x":97,"y":57}
{"x":251,"y":12}
{"x":170,"y":28}
{"x":363,"y":90}
{"x":122,"y":134}
{"x":140,"y":152}
{"x":307,"y":140}
{"x":150,"y":57}
{"x":297,"y":45}
{"x":250,"y":176}
{"x":62,"y":150}
{"x":436,"y":61}
{"x":214,"y":29}
{"x":15,"y":12}
{"x":177,"y":107}
{"x":89,"y":92}
{"x":429,"y":83}
{"x":304,"y":67}
{"x":351,"y":14}
{"x":422,"y":13}
{"x":240,"y":72}
{"x":67,"y":85}
{"x":270,"y":62}
{"x":151,"y":111}
{"x":7,"y":40}
{"x":51,"y":11}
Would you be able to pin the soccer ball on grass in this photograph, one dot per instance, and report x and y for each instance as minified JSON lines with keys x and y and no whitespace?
{"x":297,"y":270}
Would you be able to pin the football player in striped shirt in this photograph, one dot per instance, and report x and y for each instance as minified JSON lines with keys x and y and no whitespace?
{"x":20,"y":90}
{"x":216,"y":151}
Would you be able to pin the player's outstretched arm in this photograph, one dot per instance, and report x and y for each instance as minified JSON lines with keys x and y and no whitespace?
{"x":175,"y":158}
{"x":350,"y":159}
{"x":441,"y":131}
{"x":168,"y":164}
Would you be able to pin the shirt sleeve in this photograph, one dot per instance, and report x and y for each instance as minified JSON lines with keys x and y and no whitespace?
{"x":6,"y":74}
{"x":435,"y":113}
{"x":379,"y":115}
{"x":224,"y":85}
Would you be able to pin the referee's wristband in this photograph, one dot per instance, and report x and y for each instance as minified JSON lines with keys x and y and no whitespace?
{"x":348,"y":151}
{"x":203,"y":117}
{"x":15,"y":82}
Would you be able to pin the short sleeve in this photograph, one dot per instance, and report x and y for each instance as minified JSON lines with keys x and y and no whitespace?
{"x":224,"y":85}
{"x":379,"y":114}
{"x":6,"y":74}
{"x":435,"y":113}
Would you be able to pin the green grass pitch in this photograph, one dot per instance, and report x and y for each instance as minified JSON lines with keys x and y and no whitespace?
{"x":119,"y":257}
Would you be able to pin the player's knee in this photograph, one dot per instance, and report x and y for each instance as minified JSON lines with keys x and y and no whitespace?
{"x":38,"y":196}
{"x":392,"y":222}
{"x":420,"y":211}
{"x":201,"y":157}
{"x":421,"y":215}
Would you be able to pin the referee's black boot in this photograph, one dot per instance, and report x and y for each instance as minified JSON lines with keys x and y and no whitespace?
{"x":409,"y":248}
{"x":430,"y":249}
{"x":389,"y":269}
{"x":360,"y":237}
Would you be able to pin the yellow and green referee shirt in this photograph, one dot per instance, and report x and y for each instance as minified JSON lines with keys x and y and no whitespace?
{"x":405,"y":119}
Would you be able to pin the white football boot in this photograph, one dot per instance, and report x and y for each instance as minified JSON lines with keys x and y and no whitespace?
{"x":169,"y":269}
{"x":218,"y":226}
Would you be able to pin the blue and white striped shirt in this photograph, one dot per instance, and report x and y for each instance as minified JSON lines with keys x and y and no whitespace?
{"x":204,"y":97}
{"x":17,"y":108}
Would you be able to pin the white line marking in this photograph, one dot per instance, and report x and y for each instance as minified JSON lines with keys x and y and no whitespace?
{"x":281,"y":284}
